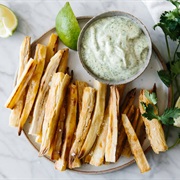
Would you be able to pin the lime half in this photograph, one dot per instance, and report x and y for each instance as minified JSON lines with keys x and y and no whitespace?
{"x":8,"y":22}
{"x":177,"y":120}
{"x":67,"y":27}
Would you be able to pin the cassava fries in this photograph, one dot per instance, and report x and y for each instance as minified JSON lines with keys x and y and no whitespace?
{"x":80,"y":88}
{"x":121,"y":88}
{"x":70,"y":126}
{"x":112,"y":134}
{"x":58,"y":138}
{"x":96,"y":119}
{"x":127,"y":150}
{"x":153,"y":128}
{"x":97,"y":157}
{"x":21,"y":84}
{"x":53,"y":106}
{"x":140,"y":130}
{"x":51,"y":48}
{"x":64,"y":61}
{"x":128,"y":101}
{"x":38,"y":113}
{"x":33,"y":85}
{"x":88,"y":102}
{"x":135,"y":145}
{"x":24,"y":57}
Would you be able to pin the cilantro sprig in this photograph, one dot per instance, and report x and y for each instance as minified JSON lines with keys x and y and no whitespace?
{"x":167,"y":118}
{"x":170,"y":25}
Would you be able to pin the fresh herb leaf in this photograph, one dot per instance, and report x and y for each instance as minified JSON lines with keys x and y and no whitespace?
{"x":166,"y":118}
{"x":165,"y":77}
{"x":149,"y":114}
{"x":151,"y":97}
{"x":175,"y":2}
{"x":170,"y":22}
{"x":175,"y":68}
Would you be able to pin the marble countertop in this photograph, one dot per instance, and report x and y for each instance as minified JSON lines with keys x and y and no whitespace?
{"x":18,"y":159}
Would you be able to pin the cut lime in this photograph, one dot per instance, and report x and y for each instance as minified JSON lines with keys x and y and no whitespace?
{"x":8,"y":22}
{"x":67,"y":27}
{"x":177,"y":120}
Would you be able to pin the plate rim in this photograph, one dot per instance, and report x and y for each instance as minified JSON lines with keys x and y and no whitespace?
{"x":113,"y":169}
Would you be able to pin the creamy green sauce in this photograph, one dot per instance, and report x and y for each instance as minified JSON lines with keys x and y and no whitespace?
{"x":114,"y":48}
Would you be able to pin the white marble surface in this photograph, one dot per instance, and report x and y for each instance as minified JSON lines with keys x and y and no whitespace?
{"x":18,"y":159}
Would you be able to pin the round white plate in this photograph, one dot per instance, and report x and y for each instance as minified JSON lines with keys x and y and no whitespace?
{"x":145,"y":81}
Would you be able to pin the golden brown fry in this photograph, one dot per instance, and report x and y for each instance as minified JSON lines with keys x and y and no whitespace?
{"x":97,"y":155}
{"x":121,"y":88}
{"x":33,"y":85}
{"x":126,"y":106}
{"x":24,"y":57}
{"x":128,"y":101}
{"x":140,"y":130}
{"x":39,"y":139}
{"x":64,"y":61}
{"x":51,"y":48}
{"x":96,"y":119}
{"x":88,"y":102}
{"x":135,"y":145}
{"x":127,"y":150}
{"x":80,"y":88}
{"x":53,"y":106}
{"x":153,"y":128}
{"x":21,"y":84}
{"x":112,"y":135}
{"x":58,"y":139}
{"x":38,"y":113}
{"x":70,"y":126}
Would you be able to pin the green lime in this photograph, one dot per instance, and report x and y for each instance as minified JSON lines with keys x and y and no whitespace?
{"x":67,"y":27}
{"x":177,"y":120}
{"x":8,"y":22}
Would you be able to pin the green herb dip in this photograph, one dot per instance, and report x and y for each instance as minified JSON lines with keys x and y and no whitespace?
{"x":114,"y":48}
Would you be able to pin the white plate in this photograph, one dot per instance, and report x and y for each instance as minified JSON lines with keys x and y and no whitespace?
{"x":145,"y":81}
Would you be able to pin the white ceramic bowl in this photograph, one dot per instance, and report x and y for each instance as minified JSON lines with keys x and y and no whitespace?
{"x":112,"y":14}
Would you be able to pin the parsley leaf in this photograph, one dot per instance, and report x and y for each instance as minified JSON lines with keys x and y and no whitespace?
{"x":151,"y":97}
{"x":165,"y":77}
{"x":175,"y":68}
{"x":149,"y":114}
{"x":166,"y":118}
{"x":170,"y":22}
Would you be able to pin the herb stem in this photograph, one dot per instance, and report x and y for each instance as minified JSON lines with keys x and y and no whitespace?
{"x":177,"y":85}
{"x":175,"y":144}
{"x":176,"y":51}
{"x":169,"y":57}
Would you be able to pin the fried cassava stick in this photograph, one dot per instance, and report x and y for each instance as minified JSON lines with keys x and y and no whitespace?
{"x":70,"y":126}
{"x":51,"y":48}
{"x":24,"y":57}
{"x":127,"y":150}
{"x":153,"y":128}
{"x":64,"y":61}
{"x":128,"y":101}
{"x":21,"y":84}
{"x":96,"y":119}
{"x":33,"y":85}
{"x":58,"y":138}
{"x":53,"y":106}
{"x":88,"y":102}
{"x":135,"y":145}
{"x":97,"y":157}
{"x":38,"y":113}
{"x":112,"y":134}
